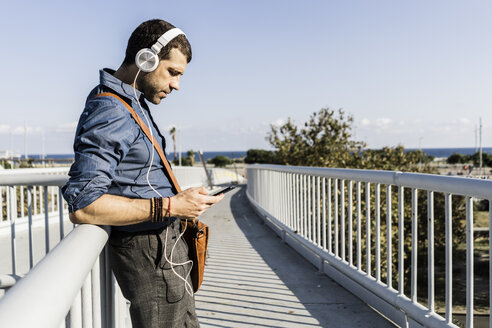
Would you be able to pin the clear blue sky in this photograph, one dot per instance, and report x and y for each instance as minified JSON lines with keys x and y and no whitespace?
{"x":410,"y":72}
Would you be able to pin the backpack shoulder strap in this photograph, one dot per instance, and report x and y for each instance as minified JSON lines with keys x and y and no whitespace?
{"x":145,"y":129}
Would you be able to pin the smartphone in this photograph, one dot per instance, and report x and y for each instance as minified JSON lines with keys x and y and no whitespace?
{"x":224,"y":190}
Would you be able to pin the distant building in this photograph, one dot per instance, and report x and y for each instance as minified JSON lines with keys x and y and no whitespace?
{"x":7,"y":154}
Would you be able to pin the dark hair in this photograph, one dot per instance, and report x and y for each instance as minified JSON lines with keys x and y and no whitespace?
{"x":147,"y":33}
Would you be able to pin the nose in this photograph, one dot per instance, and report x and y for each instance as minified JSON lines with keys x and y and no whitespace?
{"x":174,"y":84}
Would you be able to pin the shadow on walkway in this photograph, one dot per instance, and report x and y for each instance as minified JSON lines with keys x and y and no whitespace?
{"x":252,"y":279}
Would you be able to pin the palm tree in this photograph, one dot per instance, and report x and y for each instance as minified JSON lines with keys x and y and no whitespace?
{"x":191,"y":155}
{"x":173,"y":136}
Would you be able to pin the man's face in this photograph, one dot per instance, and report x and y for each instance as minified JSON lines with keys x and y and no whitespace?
{"x":159,"y":83}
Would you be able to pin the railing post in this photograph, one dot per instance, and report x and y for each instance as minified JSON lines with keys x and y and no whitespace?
{"x":46,"y":220}
{"x":1,"y":203}
{"x":324,"y":209}
{"x":368,"y":229}
{"x":309,"y":213}
{"x":378,"y":232}
{"x":21,"y":189}
{"x":430,"y":243}
{"x":304,"y":201}
{"x":413,"y":282}
{"x":29,"y":216}
{"x":469,"y":262}
{"x":336,"y":234}
{"x":490,"y":262}
{"x":342,"y":218}
{"x":319,"y":208}
{"x":350,"y":223}
{"x":329,"y":241}
{"x":60,"y":213}
{"x":35,"y":200}
{"x":449,"y":257}
{"x":389,"y":232}
{"x":359,"y":232}
{"x":401,"y":217}
{"x":12,"y":217}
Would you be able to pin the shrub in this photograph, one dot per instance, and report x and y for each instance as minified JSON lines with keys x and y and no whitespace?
{"x":220,"y":161}
{"x":259,"y":156}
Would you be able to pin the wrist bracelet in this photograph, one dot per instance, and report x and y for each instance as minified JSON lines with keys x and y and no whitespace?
{"x":169,"y":207}
{"x":157,"y":209}
{"x":152,"y":209}
{"x":161,"y":216}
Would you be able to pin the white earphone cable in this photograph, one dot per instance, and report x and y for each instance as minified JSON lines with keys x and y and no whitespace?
{"x":188,"y":287}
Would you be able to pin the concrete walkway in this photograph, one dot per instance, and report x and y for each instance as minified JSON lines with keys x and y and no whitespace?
{"x":252,"y":279}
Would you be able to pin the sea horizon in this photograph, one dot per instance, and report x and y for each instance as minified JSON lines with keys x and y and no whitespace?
{"x":436,"y":152}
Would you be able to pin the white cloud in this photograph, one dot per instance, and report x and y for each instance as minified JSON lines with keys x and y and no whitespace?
{"x":20,"y":130}
{"x":279,"y":122}
{"x":68,"y":127}
{"x":4,"y":128}
{"x":441,"y":132}
{"x":463,"y":120}
{"x":381,"y":123}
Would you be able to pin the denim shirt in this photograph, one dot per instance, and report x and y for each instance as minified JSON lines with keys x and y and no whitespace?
{"x":112,"y":154}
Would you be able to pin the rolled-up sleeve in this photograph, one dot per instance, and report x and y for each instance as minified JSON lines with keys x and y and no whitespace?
{"x":104,"y":135}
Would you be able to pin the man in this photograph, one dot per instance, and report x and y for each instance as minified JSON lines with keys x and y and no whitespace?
{"x":117,"y":171}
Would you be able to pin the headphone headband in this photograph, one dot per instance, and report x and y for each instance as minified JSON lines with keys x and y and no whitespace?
{"x":147,"y":59}
{"x":165,"y":39}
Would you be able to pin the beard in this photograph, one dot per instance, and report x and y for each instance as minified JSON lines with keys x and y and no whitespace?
{"x":150,"y":89}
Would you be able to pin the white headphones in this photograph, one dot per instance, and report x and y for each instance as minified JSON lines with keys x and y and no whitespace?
{"x":147,"y":59}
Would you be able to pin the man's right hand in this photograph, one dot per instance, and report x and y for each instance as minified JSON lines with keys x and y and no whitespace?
{"x":192,"y":202}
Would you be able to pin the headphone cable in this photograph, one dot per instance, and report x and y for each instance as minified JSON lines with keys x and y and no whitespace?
{"x":188,"y":287}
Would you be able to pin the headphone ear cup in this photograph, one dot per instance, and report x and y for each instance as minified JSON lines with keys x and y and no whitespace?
{"x":146,"y":60}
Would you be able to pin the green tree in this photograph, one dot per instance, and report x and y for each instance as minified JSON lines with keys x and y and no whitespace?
{"x":456,"y":158}
{"x":220,"y":161}
{"x":172,"y":132}
{"x":6,"y":165}
{"x":260,"y":156}
{"x":185,"y":161}
{"x":475,"y":159}
{"x":324,"y":140}
{"x":394,"y":158}
{"x":191,"y":156}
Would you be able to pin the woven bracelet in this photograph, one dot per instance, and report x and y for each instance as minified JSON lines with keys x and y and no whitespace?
{"x":152,"y":210}
{"x":169,"y":207}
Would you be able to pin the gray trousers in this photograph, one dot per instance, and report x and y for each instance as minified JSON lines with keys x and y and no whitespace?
{"x":158,"y":297}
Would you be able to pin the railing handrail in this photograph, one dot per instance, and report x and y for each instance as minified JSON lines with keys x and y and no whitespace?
{"x":59,"y":176}
{"x":47,"y":286}
{"x":479,"y":188}
{"x":34,"y":176}
{"x":37,"y":170}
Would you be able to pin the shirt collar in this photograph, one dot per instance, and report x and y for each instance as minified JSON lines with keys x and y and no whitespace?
{"x":107,"y":79}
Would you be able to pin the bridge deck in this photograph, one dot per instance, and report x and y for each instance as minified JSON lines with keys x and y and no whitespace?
{"x":252,"y":279}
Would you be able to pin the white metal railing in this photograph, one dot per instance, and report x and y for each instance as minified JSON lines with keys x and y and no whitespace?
{"x":57,"y":288}
{"x":75,"y":274}
{"x":73,"y":277}
{"x":27,"y":198}
{"x":320,"y":213}
{"x":196,"y":176}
